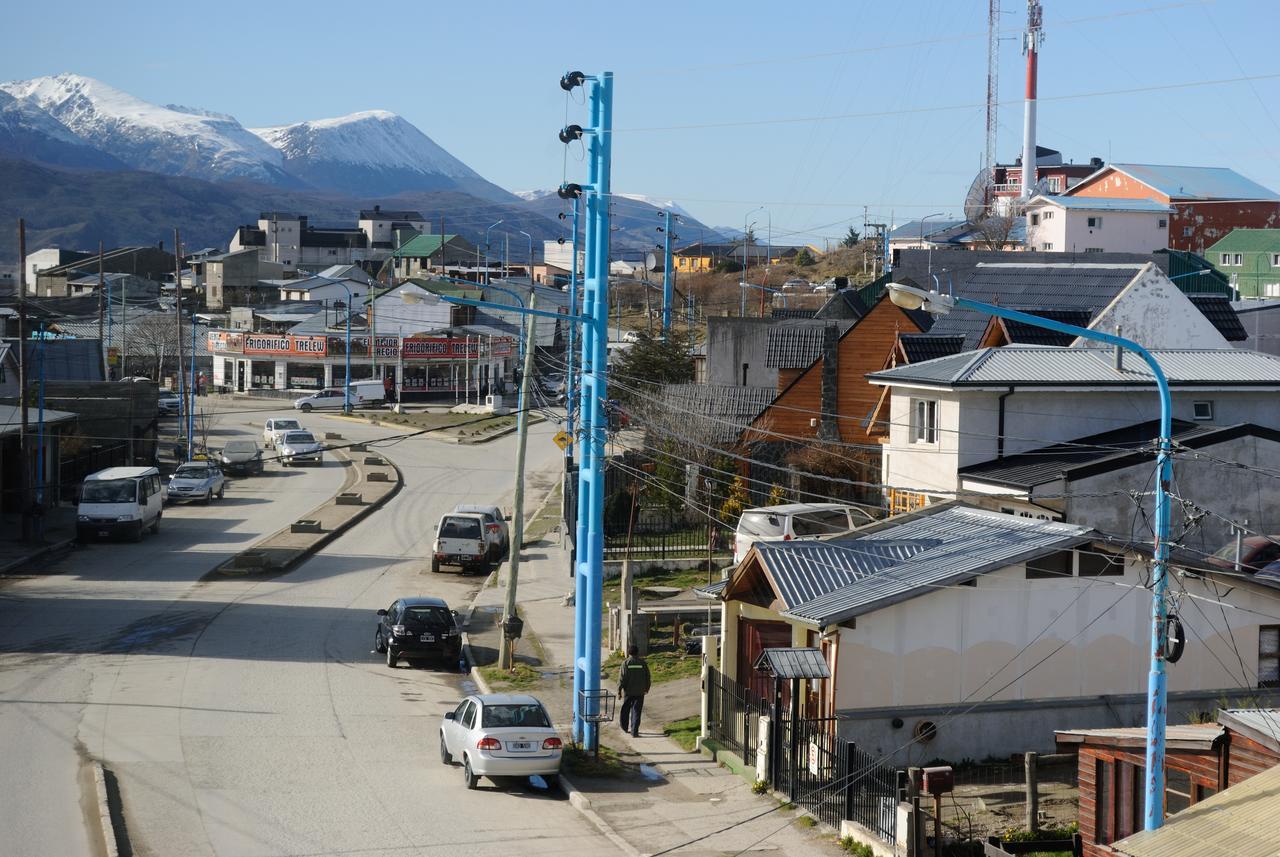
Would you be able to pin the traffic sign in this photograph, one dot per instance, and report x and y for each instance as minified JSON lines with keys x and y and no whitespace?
{"x":562,"y":439}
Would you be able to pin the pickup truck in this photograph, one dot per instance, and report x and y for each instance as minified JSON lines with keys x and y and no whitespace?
{"x":460,"y":541}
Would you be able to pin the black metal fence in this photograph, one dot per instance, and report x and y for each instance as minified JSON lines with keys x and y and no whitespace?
{"x":733,"y":715}
{"x":833,"y":779}
{"x":660,"y":533}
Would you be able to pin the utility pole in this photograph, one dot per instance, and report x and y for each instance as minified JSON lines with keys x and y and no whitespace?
{"x":184,"y":405}
{"x":102,"y":312}
{"x":668,"y":279}
{"x":507,"y":658}
{"x":24,"y":472}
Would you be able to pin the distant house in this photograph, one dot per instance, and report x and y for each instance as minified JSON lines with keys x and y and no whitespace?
{"x":291,"y":241}
{"x":1097,"y":224}
{"x":701,"y":256}
{"x":1250,"y":258}
{"x":1207,"y":202}
{"x":151,"y":263}
{"x":432,"y":253}
{"x":388,"y":228}
{"x":1053,"y":175}
{"x":921,"y":235}
{"x":956,"y":632}
{"x":324,"y":289}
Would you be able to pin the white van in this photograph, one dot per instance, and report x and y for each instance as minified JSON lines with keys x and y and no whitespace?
{"x":794,"y":521}
{"x":120,"y":501}
{"x":363,"y":394}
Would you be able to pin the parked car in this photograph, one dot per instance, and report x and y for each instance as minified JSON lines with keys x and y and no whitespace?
{"x":417,"y":629}
{"x":300,"y":447}
{"x":1256,"y":552}
{"x":496,"y":534}
{"x":273,"y":430}
{"x":168,"y":403}
{"x":120,"y":501}
{"x":362,"y":394}
{"x":460,"y":541}
{"x":794,"y":521}
{"x":501,"y":735}
{"x":795,"y":283}
{"x":242,"y":456}
{"x":197,"y":480}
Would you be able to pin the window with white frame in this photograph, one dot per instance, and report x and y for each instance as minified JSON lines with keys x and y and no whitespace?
{"x":1224,"y":259}
{"x":1048,"y":245}
{"x":1095,"y":222}
{"x":1186,"y":232}
{"x":1275,"y":260}
{"x":1202,"y":410}
{"x":1237,"y":259}
{"x":924,"y":420}
{"x":1271,"y":290}
{"x":1048,"y":215}
{"x":1054,"y":183}
{"x":1162,"y":223}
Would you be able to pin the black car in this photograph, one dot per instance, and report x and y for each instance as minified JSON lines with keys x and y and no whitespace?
{"x":421,"y":628}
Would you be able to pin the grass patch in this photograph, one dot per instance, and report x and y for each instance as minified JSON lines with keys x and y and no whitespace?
{"x":663,"y":666}
{"x":547,"y":519}
{"x":523,"y":677}
{"x":806,"y":821}
{"x":583,"y":763}
{"x":684,"y":732}
{"x":680,"y":579}
{"x":472,"y":424}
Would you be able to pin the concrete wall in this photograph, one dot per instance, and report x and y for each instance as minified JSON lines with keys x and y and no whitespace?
{"x":1261,"y":320}
{"x":732,"y":342}
{"x":1068,"y":230}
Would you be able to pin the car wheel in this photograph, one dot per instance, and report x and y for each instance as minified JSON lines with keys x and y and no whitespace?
{"x":444,"y":751}
{"x":155,"y":527}
{"x":392,"y":658}
{"x":208,"y":495}
{"x":379,"y":646}
{"x":467,"y":777}
{"x":222,"y":490}
{"x":136,"y":535}
{"x":306,"y":409}
{"x":435,"y":566}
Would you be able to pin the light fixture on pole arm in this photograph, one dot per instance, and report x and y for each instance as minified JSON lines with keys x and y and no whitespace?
{"x":486,"y":250}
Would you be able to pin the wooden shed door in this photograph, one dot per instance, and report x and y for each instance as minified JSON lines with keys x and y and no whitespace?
{"x":754,"y":636}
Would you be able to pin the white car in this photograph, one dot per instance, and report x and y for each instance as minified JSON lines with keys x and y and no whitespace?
{"x":794,"y":521}
{"x":501,"y":735}
{"x":496,"y":534}
{"x":300,"y":447}
{"x":197,"y":480}
{"x":274,"y":429}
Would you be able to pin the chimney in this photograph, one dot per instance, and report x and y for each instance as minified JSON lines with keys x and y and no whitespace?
{"x":1119,"y":352}
{"x":1031,"y":47}
{"x":828,"y":429}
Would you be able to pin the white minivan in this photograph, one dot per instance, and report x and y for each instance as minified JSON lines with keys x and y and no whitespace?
{"x":120,"y":501}
{"x":794,"y":521}
{"x":363,"y":394}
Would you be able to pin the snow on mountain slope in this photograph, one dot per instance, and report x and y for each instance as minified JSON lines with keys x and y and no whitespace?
{"x":28,"y":133}
{"x":661,"y":204}
{"x":150,"y":137}
{"x":374,"y":151}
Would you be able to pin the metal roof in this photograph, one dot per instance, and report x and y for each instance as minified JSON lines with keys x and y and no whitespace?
{"x":793,"y":663}
{"x":11,"y":418}
{"x":1237,"y":822}
{"x":1260,"y":724}
{"x":789,"y":312}
{"x":824,"y":582}
{"x":1218,"y":309}
{"x":726,"y":407}
{"x":1184,"y":183}
{"x":1100,"y":203}
{"x":919,"y":347}
{"x":1021,"y":333}
{"x":1178,"y":736}
{"x":78,"y":359}
{"x":1087,"y":367}
{"x":913,"y":230}
{"x":1247,"y":241}
{"x":796,"y":344}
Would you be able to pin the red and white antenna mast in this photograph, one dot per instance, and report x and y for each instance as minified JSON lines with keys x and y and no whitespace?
{"x":1031,"y":41}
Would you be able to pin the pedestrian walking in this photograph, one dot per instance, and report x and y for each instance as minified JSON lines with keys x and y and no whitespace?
{"x":633,"y":684}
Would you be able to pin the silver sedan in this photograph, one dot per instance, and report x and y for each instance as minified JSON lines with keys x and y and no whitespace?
{"x":501,"y":735}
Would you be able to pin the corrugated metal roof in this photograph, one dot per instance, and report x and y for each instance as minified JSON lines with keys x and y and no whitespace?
{"x":793,"y":663}
{"x":11,"y":418}
{"x":1218,"y":309}
{"x":1247,"y":241}
{"x":1048,"y":366}
{"x":1241,"y":821}
{"x":1100,"y":203}
{"x":795,"y":344}
{"x":791,"y":312}
{"x":1021,"y":333}
{"x":919,"y":347}
{"x":726,"y":407}
{"x":1196,"y":182}
{"x":912,"y":230}
{"x":1260,"y":724}
{"x":899,"y":559}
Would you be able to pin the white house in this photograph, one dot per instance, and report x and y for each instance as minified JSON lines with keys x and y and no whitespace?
{"x":958,"y":632}
{"x":1078,"y":224}
{"x":320,"y":288}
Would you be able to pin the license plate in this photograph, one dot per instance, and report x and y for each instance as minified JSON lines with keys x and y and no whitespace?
{"x":104,"y":532}
{"x":428,"y":638}
{"x":521,"y":745}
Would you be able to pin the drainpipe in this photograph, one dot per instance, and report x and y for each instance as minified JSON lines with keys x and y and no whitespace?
{"x":1000,"y":427}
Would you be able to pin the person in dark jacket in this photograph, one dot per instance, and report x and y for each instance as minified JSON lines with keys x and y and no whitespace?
{"x":633,"y":684}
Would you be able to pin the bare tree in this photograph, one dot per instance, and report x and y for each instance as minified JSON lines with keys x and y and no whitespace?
{"x":996,"y":228}
{"x":152,"y":342}
{"x":206,"y":418}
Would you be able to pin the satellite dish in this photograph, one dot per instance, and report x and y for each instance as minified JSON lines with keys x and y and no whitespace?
{"x":650,"y":261}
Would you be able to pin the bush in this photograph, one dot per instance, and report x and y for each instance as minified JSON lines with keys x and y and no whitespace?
{"x":856,"y":848}
{"x":760,"y":787}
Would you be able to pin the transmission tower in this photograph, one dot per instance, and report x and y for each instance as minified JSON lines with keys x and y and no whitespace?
{"x":993,"y":87}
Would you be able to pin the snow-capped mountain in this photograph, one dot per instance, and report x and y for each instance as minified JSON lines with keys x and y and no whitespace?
{"x":147,"y":136}
{"x":28,"y":133}
{"x":660,"y":204}
{"x":372,"y":152}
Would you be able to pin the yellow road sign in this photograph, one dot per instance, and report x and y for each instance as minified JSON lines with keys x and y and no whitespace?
{"x":562,"y":439}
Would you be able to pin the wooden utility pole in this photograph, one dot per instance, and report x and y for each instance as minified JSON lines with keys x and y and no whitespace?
{"x":177,"y":291}
{"x":1033,"y":793}
{"x":102,"y":312}
{"x":509,"y":612}
{"x":24,"y":472}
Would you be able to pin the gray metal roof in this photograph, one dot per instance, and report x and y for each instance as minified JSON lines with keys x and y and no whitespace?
{"x":1090,"y":367}
{"x":919,"y":347}
{"x":1101,"y":203}
{"x":1195,"y":182}
{"x":793,"y":663}
{"x":904,"y":557}
{"x":726,"y":407}
{"x":1260,"y":724}
{"x":796,"y":344}
{"x":11,"y":418}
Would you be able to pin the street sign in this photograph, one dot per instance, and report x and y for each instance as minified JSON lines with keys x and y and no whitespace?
{"x":562,"y":439}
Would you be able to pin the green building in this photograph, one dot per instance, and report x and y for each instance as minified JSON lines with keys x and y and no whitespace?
{"x":1250,"y":258}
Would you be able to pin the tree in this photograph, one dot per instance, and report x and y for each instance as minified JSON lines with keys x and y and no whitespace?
{"x":804,"y":259}
{"x":776,"y":497}
{"x":152,"y":344}
{"x":851,"y":239}
{"x":731,"y":508}
{"x":995,"y":229}
{"x":652,"y":362}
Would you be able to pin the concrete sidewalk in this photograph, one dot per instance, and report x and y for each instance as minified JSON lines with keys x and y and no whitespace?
{"x":58,"y":526}
{"x":668,"y":796}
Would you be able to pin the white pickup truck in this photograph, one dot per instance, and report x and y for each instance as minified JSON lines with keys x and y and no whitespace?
{"x":460,"y":541}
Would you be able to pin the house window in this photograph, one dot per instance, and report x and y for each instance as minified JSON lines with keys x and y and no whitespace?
{"x":1269,"y":656}
{"x":1057,"y":564}
{"x":1186,"y":232}
{"x":1202,"y":410}
{"x":1048,"y":215}
{"x":924,"y":420}
{"x":1162,"y":223}
{"x":1102,"y":807}
{"x":1100,"y":563}
{"x":1275,"y":260}
{"x":1095,"y":222}
{"x":1177,"y":790}
{"x":1048,"y":245}
{"x":1035,"y":219}
{"x":1054,"y":183}
{"x":1271,"y":290}
{"x":1237,"y":259}
{"x":1225,"y":259}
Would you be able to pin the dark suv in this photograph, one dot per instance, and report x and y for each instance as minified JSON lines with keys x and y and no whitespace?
{"x":419,"y":628}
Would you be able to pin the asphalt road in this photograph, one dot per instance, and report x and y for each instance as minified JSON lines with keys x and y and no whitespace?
{"x":247,"y":717}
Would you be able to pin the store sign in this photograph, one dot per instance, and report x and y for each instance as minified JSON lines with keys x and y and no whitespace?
{"x":309,"y":346}
{"x":441,"y":347}
{"x":221,"y":340}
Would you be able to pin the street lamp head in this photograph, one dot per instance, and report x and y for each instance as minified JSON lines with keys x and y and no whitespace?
{"x":911,"y":298}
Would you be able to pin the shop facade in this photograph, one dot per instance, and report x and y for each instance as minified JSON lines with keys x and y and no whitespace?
{"x":458,"y":368}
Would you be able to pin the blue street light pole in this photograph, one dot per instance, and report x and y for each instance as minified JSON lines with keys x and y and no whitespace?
{"x":40,"y":469}
{"x":573,"y":310}
{"x":910,"y":297}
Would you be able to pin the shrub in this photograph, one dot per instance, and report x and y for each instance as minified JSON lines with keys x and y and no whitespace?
{"x":760,"y":787}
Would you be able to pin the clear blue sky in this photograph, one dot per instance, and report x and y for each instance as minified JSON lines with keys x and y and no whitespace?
{"x":481,"y":79}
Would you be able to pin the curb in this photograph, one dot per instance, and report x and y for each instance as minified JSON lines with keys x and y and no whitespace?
{"x":104,"y":811}
{"x":509,"y":430}
{"x":319,"y":544}
{"x":52,"y":547}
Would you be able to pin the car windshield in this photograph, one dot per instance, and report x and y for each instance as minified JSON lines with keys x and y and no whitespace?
{"x":240,"y":446}
{"x":760,"y":524}
{"x":299,"y":437}
{"x":529,"y":714}
{"x":431,"y":616}
{"x":460,"y":528}
{"x":192,"y":471}
{"x":820,"y":523}
{"x":168,"y":394}
{"x":285,"y":425}
{"x":110,"y":491}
